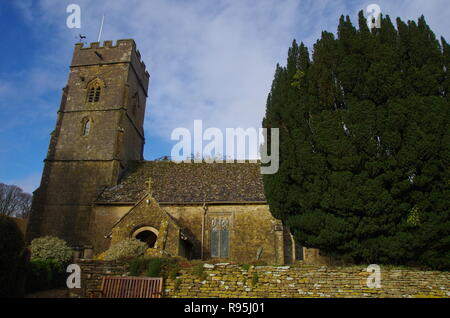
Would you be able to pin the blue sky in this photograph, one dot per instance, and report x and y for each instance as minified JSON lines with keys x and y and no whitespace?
{"x":209,"y":60}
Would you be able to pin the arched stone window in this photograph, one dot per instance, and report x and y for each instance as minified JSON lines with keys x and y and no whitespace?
{"x":220,"y":234}
{"x":94,"y":90}
{"x":147,"y":234}
{"x":86,"y":125}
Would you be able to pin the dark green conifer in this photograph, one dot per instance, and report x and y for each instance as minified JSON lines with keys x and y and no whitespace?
{"x":365,"y":145}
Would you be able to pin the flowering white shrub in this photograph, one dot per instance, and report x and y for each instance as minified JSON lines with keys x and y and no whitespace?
{"x":50,"y":248}
{"x":127,"y":248}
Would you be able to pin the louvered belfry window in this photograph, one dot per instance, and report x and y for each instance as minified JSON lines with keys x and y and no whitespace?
{"x":94,"y":94}
{"x":220,"y":234}
{"x":94,"y":91}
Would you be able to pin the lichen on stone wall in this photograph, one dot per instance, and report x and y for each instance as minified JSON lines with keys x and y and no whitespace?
{"x":237,"y":281}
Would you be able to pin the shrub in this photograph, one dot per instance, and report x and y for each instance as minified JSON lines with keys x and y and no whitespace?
{"x":199,"y":271}
{"x":154,"y":267}
{"x":49,"y":257}
{"x":128,"y":248}
{"x":50,"y":248}
{"x":138,"y":266}
{"x":45,"y":274}
{"x":173,"y":269}
{"x":12,"y":257}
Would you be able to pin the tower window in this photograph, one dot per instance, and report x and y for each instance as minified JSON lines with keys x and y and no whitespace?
{"x":94,"y":91}
{"x":94,"y":94}
{"x":86,"y":127}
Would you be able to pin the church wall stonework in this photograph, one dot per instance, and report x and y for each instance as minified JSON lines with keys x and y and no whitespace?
{"x":65,"y":199}
{"x":103,"y":219}
{"x":303,"y":281}
{"x":255,"y":235}
{"x":147,"y":213}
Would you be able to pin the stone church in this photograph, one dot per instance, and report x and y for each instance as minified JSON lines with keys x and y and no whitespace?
{"x":97,"y":189}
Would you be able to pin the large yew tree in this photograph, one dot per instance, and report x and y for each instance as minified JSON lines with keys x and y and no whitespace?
{"x":365,"y":144}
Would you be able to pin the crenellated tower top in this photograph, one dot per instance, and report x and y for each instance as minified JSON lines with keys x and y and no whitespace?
{"x":123,"y":52}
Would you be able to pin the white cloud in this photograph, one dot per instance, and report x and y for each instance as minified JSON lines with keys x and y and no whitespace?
{"x":436,"y":13}
{"x":210,"y":60}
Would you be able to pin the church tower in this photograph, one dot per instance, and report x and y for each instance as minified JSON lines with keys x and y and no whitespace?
{"x":99,"y":130}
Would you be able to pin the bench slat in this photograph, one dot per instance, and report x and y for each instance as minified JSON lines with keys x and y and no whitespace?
{"x":131,"y":287}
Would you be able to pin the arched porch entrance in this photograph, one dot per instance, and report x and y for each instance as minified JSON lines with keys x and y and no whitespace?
{"x":148,"y":235}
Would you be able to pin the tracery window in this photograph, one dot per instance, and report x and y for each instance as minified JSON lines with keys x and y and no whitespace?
{"x":94,"y":90}
{"x":220,"y":233}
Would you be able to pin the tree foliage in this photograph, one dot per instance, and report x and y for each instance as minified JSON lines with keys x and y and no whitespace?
{"x":365,"y":144}
{"x":13,"y":201}
{"x":12,"y":257}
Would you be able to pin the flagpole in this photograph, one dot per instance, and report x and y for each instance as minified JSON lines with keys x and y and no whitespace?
{"x":101,"y":29}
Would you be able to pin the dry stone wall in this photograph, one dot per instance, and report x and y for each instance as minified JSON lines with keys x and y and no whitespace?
{"x":225,"y":280}
{"x":92,"y":273}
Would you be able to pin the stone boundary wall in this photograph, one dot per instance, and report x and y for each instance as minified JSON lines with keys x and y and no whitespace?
{"x":225,"y":280}
{"x":92,"y":272}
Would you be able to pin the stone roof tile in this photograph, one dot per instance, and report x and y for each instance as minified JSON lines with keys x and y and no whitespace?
{"x":189,"y":183}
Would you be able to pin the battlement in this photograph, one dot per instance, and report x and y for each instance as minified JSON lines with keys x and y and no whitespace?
{"x":108,"y":44}
{"x":124,"y":51}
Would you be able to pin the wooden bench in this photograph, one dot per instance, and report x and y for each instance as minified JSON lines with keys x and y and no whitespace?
{"x":131,"y":287}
